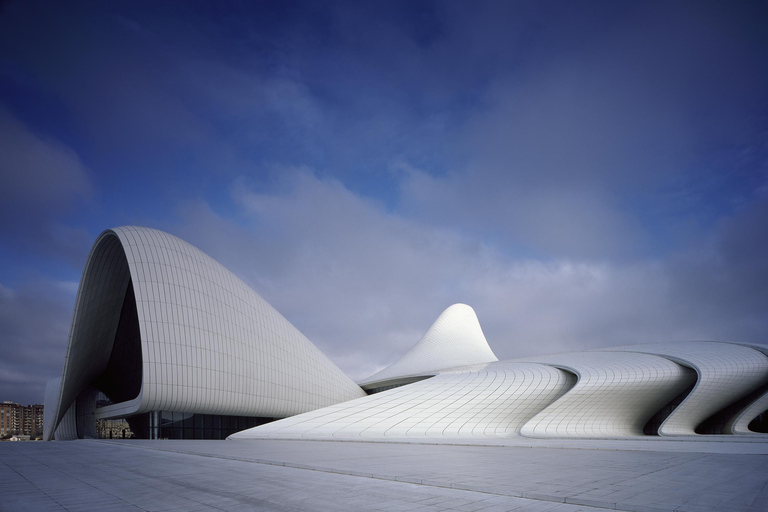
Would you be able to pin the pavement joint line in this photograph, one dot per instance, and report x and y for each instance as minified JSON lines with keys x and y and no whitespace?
{"x":40,"y":489}
{"x":512,"y":446}
{"x":93,"y":486}
{"x":762,"y":491}
{"x":739,"y":440}
{"x":530,"y":495}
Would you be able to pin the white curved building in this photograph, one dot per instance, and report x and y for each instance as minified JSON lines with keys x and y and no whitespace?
{"x":662,"y":389}
{"x":160,"y":328}
{"x":616,"y":394}
{"x":484,"y":401}
{"x":166,"y":337}
{"x":726,"y":373}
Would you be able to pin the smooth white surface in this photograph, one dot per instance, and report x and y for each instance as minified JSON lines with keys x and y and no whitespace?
{"x":610,"y":393}
{"x":739,"y":424}
{"x":49,"y":406}
{"x":486,"y":401}
{"x":726,"y":373}
{"x":94,"y":323}
{"x":210,"y":344}
{"x":455,"y":339}
{"x":615,"y":396}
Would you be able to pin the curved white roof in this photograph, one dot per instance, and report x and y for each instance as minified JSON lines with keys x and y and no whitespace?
{"x":616,"y":394}
{"x":739,"y":423}
{"x":491,"y":400}
{"x":209,"y":343}
{"x":455,"y":339}
{"x":601,"y":393}
{"x":726,"y":372}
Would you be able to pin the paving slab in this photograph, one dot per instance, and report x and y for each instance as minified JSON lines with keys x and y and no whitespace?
{"x":284,"y":475}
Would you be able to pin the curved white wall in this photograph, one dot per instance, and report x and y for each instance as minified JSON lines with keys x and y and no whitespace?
{"x":616,"y":394}
{"x":49,"y":406}
{"x":618,"y":391}
{"x":739,"y":424}
{"x":726,"y":372}
{"x":483,"y":401}
{"x":209,"y":343}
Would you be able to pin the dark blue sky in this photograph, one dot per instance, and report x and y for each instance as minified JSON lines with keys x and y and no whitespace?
{"x":582,"y":174}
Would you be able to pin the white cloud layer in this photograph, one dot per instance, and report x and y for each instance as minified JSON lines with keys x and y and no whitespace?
{"x":37,"y":171}
{"x":34,"y":325}
{"x":365,"y":283}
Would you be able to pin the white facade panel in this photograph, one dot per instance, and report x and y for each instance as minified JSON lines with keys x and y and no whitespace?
{"x":49,"y":406}
{"x":739,"y":423}
{"x":67,"y":427}
{"x":484,"y":401}
{"x":726,"y":372}
{"x":209,"y":343}
{"x":615,"y":396}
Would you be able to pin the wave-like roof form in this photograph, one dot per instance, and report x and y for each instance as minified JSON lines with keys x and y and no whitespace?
{"x":754,"y":405}
{"x":739,"y":423}
{"x":622,"y":392}
{"x":616,"y":394}
{"x":160,"y":325}
{"x":491,"y":400}
{"x":726,"y":372}
{"x":455,"y":339}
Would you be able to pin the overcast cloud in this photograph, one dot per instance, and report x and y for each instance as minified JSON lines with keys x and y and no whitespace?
{"x":317,"y":251}
{"x":583,"y":175}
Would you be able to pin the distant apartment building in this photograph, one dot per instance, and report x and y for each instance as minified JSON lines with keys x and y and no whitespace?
{"x":9,"y":419}
{"x":35,"y":420}
{"x":17,"y":419}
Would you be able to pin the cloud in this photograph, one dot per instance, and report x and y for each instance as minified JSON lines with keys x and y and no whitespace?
{"x":553,"y":220}
{"x":720,"y":287}
{"x":41,"y":182}
{"x":38,"y":173}
{"x":34,"y":326}
{"x":364,"y":283}
{"x":317,"y":251}
{"x":584,"y":144}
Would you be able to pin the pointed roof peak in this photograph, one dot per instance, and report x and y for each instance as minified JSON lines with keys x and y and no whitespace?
{"x":454,"y":339}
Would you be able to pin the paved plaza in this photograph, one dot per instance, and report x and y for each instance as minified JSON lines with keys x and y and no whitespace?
{"x":284,"y":475}
{"x":297,"y":475}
